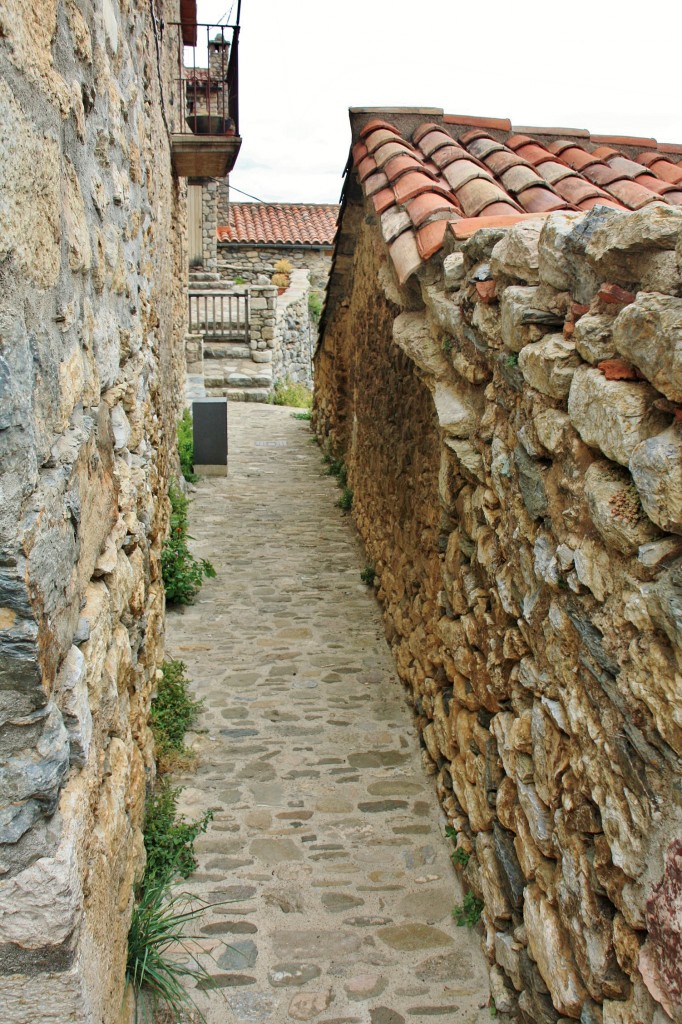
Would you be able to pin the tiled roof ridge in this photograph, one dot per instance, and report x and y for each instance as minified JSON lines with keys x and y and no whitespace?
{"x":418,"y":183}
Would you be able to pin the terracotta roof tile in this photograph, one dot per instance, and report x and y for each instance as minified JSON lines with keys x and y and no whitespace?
{"x":411,"y":184}
{"x":430,"y":238}
{"x":375,"y":183}
{"x":280,"y":224}
{"x":448,"y":155}
{"x":630,"y":194}
{"x":380,"y":137}
{"x":424,"y":129}
{"x":662,"y":168}
{"x":576,"y":190}
{"x":502,"y":160}
{"x":501,"y":123}
{"x":521,"y":176}
{"x":541,"y":200}
{"x":459,"y":173}
{"x":393,"y":222}
{"x":430,"y":206}
{"x":376,"y":123}
{"x":388,"y":150}
{"x":405,"y":254}
{"x":478,"y":193}
{"x":401,"y":164}
{"x":456,"y":167}
{"x":383,"y":200}
{"x":533,"y":153}
{"x":433,"y":141}
{"x":366,"y":167}
{"x":574,"y":156}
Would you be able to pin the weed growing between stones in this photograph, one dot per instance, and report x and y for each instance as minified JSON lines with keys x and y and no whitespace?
{"x":169,"y":838}
{"x":469,"y":911}
{"x":459,"y":856}
{"x":157,"y":929}
{"x":183,"y":574}
{"x":368,"y":575}
{"x":307,"y":415}
{"x":315,"y":303}
{"x":336,"y":467}
{"x":513,"y":359}
{"x":186,"y":446}
{"x":289,"y":392}
{"x":173,"y":712}
{"x":345,"y":502}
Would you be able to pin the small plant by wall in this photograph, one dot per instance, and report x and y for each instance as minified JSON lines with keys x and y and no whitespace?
{"x":173,"y":712}
{"x":288,"y":392}
{"x":183,"y":574}
{"x":186,"y":446}
{"x":469,"y":911}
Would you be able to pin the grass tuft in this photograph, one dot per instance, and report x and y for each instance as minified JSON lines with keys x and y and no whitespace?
{"x":183,"y":574}
{"x":290,"y":392}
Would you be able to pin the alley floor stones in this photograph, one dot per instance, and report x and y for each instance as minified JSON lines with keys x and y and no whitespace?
{"x":326,"y":864}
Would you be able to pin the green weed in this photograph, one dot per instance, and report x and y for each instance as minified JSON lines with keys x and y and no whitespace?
{"x":345,"y":502}
{"x":186,"y":446}
{"x":289,"y":392}
{"x":368,"y":575}
{"x":157,"y":932}
{"x":183,"y":574}
{"x":315,"y":307}
{"x":307,"y":415}
{"x":169,"y":838}
{"x":173,"y":712}
{"x":513,"y":359}
{"x":469,"y":911}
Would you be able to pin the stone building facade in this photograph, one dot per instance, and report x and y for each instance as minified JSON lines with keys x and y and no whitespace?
{"x":91,"y":322}
{"x":506,"y":394}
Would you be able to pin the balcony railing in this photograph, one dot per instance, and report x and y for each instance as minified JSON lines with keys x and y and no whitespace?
{"x":205,"y":128}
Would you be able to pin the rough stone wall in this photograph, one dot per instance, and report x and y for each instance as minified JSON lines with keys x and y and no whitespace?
{"x":91,"y":232}
{"x":293,"y":332}
{"x":511,"y":428}
{"x":250,"y":262}
{"x":262,"y":321}
{"x":209,"y":225}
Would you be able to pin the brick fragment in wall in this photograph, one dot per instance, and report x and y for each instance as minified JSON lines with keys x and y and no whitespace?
{"x":544,"y":551}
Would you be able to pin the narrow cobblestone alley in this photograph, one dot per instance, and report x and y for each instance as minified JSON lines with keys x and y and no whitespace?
{"x":327,"y":838}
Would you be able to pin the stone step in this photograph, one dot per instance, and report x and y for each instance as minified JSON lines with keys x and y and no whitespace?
{"x":220,"y":349}
{"x":204,"y":276}
{"x":240,"y":393}
{"x":240,"y":373}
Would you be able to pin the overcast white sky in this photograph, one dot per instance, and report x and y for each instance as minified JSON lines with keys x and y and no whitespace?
{"x":610,"y":67}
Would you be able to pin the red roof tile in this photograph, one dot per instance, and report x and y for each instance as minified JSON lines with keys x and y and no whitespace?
{"x":495,"y":176}
{"x":280,"y":224}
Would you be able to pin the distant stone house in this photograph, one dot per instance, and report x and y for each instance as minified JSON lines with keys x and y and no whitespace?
{"x":253,"y":236}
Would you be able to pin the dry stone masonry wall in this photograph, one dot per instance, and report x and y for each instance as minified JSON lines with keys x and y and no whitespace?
{"x":510,"y":421}
{"x":91,"y":231}
{"x":293,"y":332}
{"x":248,"y":262}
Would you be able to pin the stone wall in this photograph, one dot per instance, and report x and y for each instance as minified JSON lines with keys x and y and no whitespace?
{"x":248,"y":262}
{"x":91,"y":233}
{"x":293,"y":332}
{"x":262,"y":321}
{"x":209,"y":225}
{"x":510,"y":421}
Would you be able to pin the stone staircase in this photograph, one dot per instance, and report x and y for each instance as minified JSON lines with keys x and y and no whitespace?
{"x":230,"y":368}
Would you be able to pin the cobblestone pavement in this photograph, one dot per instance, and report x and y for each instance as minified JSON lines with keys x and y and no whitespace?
{"x":326,"y":862}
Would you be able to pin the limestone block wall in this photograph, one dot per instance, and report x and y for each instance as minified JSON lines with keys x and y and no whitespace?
{"x":248,"y":262}
{"x":510,"y":421}
{"x":293,"y":332}
{"x":91,"y":316}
